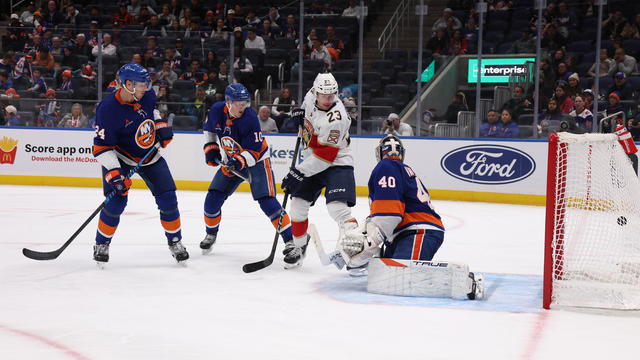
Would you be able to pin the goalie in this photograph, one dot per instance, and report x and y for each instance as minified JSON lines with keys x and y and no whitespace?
{"x":404,"y":223}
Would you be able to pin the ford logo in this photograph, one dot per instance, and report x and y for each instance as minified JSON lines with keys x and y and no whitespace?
{"x":488,"y":164}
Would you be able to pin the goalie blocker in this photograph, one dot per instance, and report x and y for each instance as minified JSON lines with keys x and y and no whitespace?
{"x":424,"y":278}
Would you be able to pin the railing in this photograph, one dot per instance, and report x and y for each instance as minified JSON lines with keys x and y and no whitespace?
{"x":446,"y":130}
{"x":398,"y":19}
{"x":608,"y":118}
{"x":15,"y":4}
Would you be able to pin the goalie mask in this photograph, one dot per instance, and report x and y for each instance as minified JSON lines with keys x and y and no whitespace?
{"x":390,"y":147}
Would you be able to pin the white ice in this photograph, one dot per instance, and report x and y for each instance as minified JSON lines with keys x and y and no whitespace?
{"x":144,"y":306}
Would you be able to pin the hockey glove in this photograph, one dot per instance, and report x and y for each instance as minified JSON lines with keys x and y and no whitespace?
{"x":237,"y":162}
{"x":292,"y":181}
{"x":361,"y":244}
{"x":297,"y":117}
{"x":164,"y":133}
{"x":212,"y":154}
{"x":118,"y":182}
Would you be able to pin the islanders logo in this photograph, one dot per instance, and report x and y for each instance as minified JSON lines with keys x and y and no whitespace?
{"x":146,"y":134}
{"x":230,"y":146}
{"x":8,"y":148}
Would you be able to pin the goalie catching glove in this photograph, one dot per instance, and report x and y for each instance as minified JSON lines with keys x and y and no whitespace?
{"x":119,"y":183}
{"x":361,"y":244}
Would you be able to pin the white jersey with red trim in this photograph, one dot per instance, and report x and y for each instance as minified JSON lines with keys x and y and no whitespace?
{"x":325,"y":137}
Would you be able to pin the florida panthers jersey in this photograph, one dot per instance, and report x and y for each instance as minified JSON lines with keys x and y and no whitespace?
{"x":245,"y":130}
{"x":399,"y":200}
{"x":126,"y":128}
{"x":325,"y":137}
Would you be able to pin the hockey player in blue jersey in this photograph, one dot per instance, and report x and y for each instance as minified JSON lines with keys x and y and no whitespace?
{"x":404,"y":232}
{"x":127,"y":126}
{"x":401,"y":215}
{"x":234,"y":126}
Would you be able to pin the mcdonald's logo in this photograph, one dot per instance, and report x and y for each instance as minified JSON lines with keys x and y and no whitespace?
{"x":8,"y":148}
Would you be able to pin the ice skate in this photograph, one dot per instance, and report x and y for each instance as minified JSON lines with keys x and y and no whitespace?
{"x":477,"y":288}
{"x":358,"y":271}
{"x":178,"y":251}
{"x":294,"y":255}
{"x":101,"y":254}
{"x":207,"y":244}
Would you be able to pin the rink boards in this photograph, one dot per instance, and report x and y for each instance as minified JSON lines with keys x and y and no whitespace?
{"x":504,"y":171}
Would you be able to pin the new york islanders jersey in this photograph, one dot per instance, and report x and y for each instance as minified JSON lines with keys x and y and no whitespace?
{"x":325,"y":137}
{"x":399,"y":200}
{"x":245,"y":130}
{"x":126,"y":128}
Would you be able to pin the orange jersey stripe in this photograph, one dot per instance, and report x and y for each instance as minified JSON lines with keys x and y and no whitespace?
{"x":105,"y":229}
{"x":267,"y":169}
{"x":257,"y":154}
{"x":419,"y":217}
{"x":97,"y":149}
{"x":212,"y":222}
{"x":417,"y":245}
{"x":387,"y":206}
{"x":171,"y":226}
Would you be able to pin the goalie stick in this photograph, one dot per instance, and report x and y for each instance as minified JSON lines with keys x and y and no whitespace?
{"x":50,"y":255}
{"x":334,"y":257}
{"x":259,"y":265}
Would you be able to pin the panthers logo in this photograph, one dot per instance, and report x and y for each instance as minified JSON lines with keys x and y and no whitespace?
{"x":146,"y":134}
{"x":307,"y":133}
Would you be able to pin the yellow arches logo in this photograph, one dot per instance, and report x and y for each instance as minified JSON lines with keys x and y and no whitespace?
{"x":8,"y":148}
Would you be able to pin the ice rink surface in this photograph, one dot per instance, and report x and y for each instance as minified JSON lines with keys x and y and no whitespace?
{"x":145,"y":306}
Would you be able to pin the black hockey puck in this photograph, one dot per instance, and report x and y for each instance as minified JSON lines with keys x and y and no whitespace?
{"x":622,"y":221}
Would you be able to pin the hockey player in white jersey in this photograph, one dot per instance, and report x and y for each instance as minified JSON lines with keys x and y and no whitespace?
{"x":327,"y":163}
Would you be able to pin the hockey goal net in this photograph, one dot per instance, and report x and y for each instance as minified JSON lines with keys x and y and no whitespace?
{"x":592,"y":240}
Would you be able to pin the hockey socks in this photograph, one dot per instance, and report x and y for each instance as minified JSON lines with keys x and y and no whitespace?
{"x":212,"y":214}
{"x":271,"y":207}
{"x":169,"y":215}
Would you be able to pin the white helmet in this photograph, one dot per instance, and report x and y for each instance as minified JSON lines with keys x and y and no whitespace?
{"x":325,"y":84}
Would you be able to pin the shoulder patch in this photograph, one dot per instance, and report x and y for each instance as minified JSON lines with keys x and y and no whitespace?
{"x":334,"y":137}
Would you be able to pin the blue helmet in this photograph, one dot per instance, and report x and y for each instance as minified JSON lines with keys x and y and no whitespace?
{"x":390,"y":147}
{"x":133,"y":72}
{"x":237,"y":92}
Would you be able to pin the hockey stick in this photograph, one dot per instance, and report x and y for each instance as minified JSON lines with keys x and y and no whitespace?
{"x":259,"y":265}
{"x":37,"y":255}
{"x":334,"y":257}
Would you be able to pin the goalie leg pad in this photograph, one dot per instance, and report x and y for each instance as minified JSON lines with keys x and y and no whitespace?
{"x":419,"y":278}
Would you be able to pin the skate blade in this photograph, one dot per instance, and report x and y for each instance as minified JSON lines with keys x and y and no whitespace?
{"x":358,"y":272}
{"x":207,"y":251}
{"x":479,"y":286}
{"x":101,"y":265}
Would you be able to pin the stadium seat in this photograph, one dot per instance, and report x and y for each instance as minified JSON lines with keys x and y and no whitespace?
{"x":579,"y":46}
{"x":398,"y":57}
{"x":285,"y":43}
{"x":634,"y":82}
{"x":346,"y":65}
{"x":185,"y":122}
{"x":399,"y":93}
{"x":344,"y":78}
{"x":408,"y":78}
{"x":185,"y":88}
{"x":317,"y":66}
{"x":526,"y":131}
{"x":374,"y":80}
{"x":382,"y":67}
{"x":255,"y":56}
{"x":525,"y":119}
{"x":80,"y":87}
{"x":380,"y":111}
{"x":605,"y":83}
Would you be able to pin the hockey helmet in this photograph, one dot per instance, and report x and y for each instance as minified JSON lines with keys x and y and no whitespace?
{"x":325,"y":84}
{"x":390,"y":147}
{"x":134,"y":73}
{"x":237,"y":92}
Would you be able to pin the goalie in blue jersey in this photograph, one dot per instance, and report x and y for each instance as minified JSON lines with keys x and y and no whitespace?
{"x":233,"y":126}
{"x":402,"y":234}
{"x":127,"y":127}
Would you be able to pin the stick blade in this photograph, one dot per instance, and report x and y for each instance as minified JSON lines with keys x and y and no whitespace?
{"x":37,"y":255}
{"x":258,"y":265}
